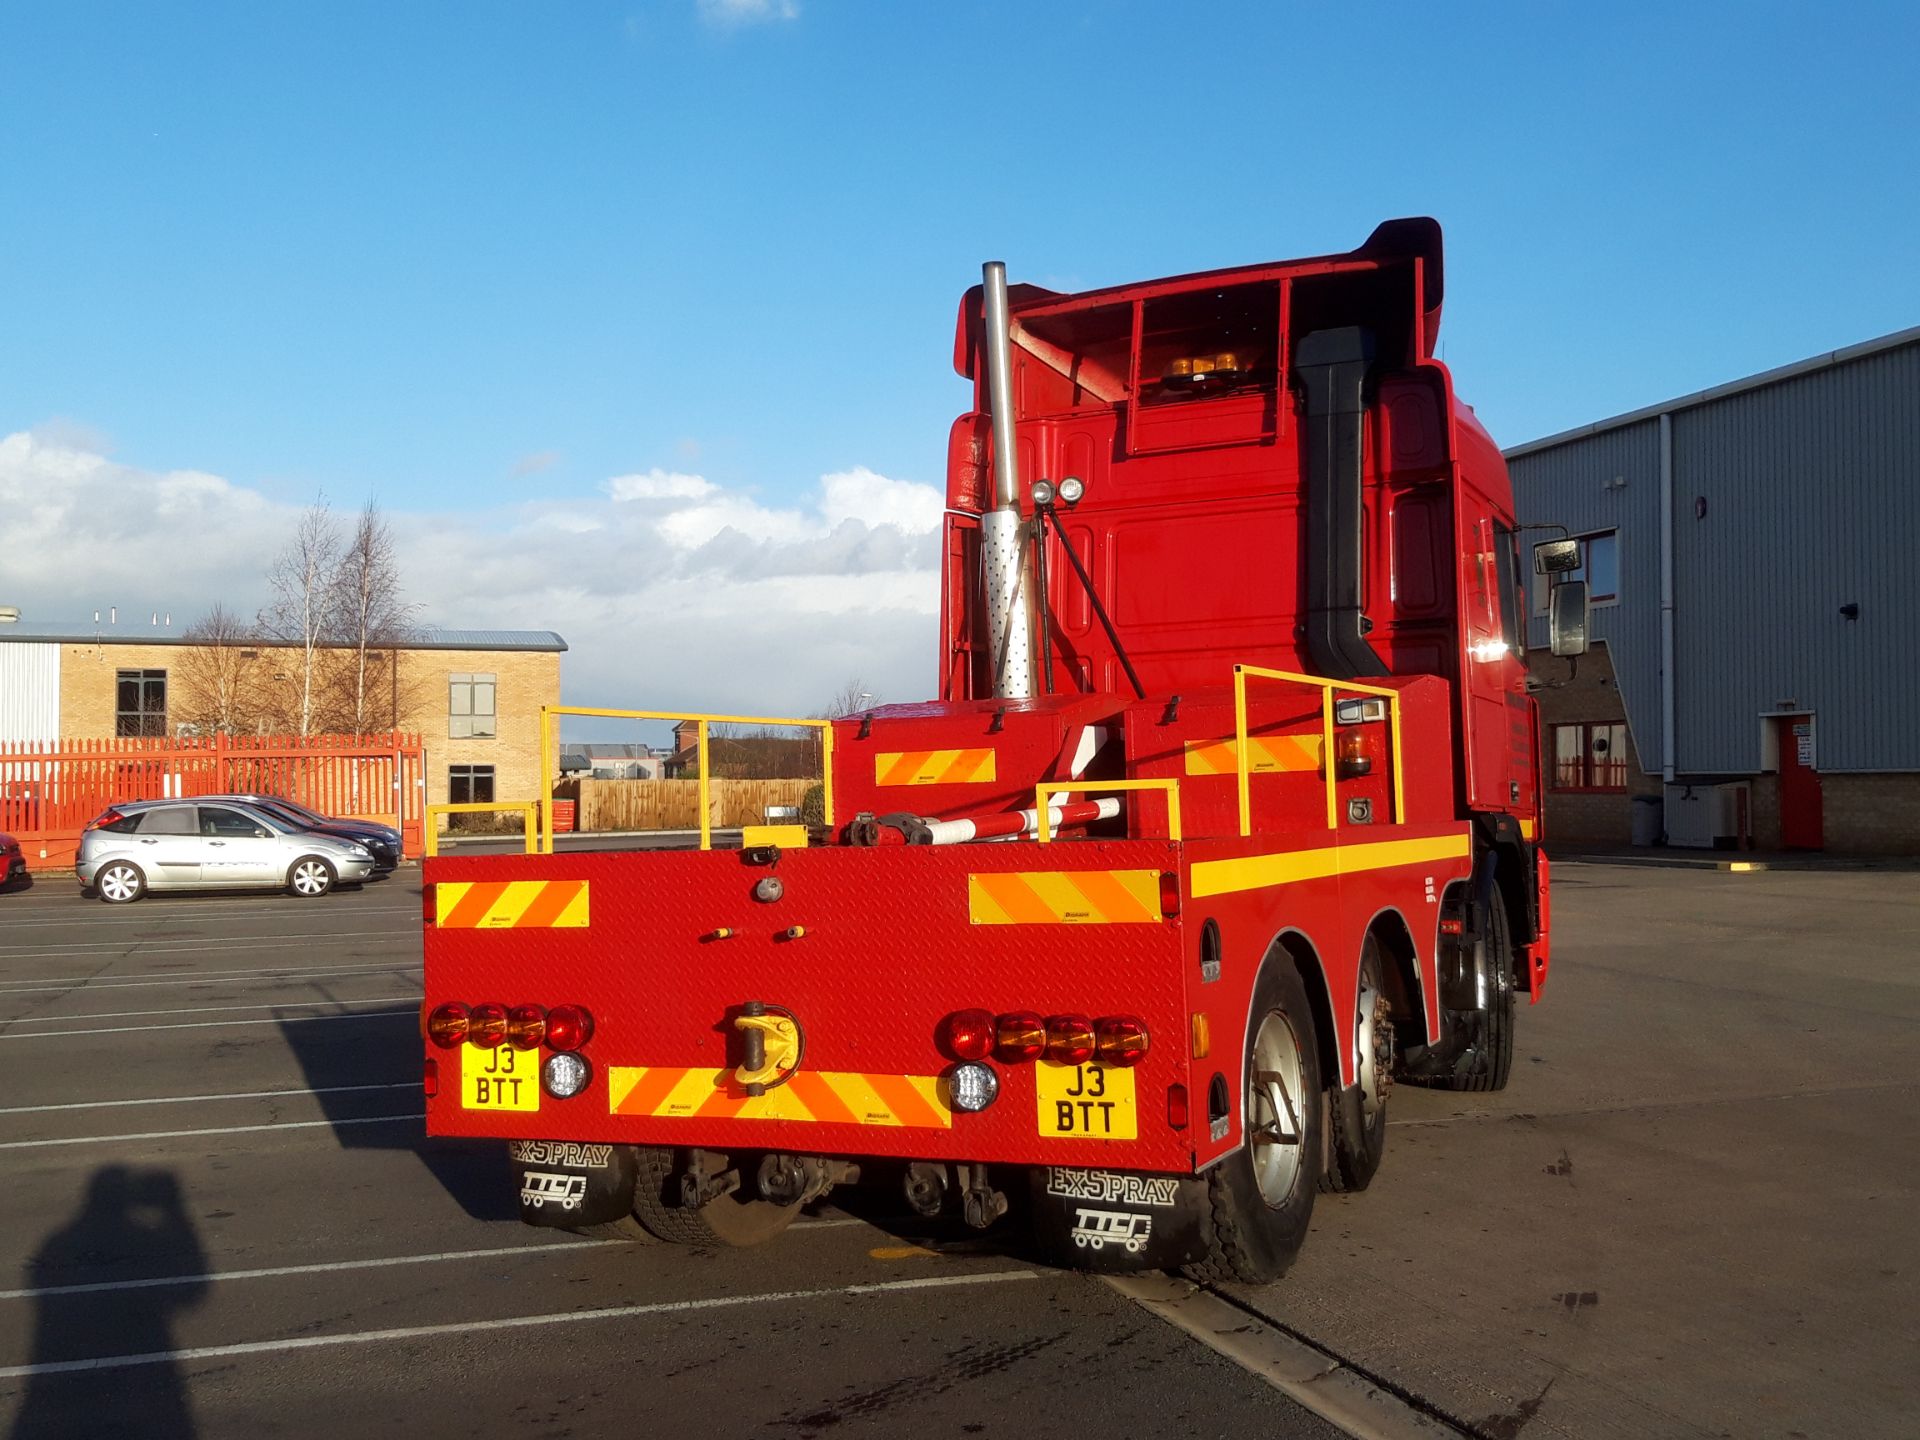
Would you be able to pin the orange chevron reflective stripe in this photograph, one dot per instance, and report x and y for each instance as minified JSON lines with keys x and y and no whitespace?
{"x":933,"y":767}
{"x":1064,"y":897}
{"x":510,"y":904}
{"x":1266,"y":754}
{"x":826,"y":1097}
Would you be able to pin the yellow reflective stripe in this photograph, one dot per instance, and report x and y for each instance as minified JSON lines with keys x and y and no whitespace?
{"x":680,"y":1093}
{"x":1266,"y":754}
{"x":1257,"y":872}
{"x":1526,"y":829}
{"x":1064,"y":897}
{"x":934,"y":767}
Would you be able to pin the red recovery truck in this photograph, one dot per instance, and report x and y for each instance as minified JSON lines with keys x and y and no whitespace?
{"x":1227,"y":816}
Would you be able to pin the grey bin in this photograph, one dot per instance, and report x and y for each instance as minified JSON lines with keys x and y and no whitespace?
{"x":1648,"y":813}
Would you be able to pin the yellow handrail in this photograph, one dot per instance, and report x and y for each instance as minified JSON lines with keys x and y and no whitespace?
{"x":1327,"y":762}
{"x":528,"y":809}
{"x":550,"y":757}
{"x":1043,"y":824}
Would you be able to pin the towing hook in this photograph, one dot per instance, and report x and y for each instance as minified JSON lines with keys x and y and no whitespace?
{"x":771,"y":1046}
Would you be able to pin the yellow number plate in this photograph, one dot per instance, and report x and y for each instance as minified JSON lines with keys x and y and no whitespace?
{"x":499,"y":1079}
{"x":1088,"y":1102}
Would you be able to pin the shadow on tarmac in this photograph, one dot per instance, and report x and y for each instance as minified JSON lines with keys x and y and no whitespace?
{"x":128,"y":1214}
{"x":386,"y":1048}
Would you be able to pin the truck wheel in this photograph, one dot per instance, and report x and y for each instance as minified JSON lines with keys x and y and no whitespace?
{"x":729,"y":1220}
{"x":1489,"y":1060}
{"x":1357,"y":1118}
{"x":1261,"y":1196}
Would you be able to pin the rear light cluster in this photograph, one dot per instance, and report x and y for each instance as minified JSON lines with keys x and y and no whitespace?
{"x":1023,"y":1036}
{"x":524,"y":1027}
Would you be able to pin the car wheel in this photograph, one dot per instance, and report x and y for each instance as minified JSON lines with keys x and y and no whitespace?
{"x":120,"y":883}
{"x":310,"y":878}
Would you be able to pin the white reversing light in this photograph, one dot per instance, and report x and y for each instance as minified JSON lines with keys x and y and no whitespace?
{"x":972,"y":1085}
{"x":565,"y":1075}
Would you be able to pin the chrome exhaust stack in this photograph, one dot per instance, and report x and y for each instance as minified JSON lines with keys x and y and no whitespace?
{"x":1009,"y":595}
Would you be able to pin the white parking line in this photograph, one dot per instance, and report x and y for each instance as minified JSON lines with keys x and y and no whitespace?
{"x":510,"y":1322}
{"x":122,"y":920}
{"x":188,"y":1099}
{"x":209,"y":1024}
{"x":205,"y":1009}
{"x":217,"y":1130}
{"x":331,"y":1267}
{"x":268,"y":976}
{"x":187,"y":943}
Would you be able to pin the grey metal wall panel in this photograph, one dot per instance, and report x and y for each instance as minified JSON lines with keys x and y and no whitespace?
{"x":1579,"y":485}
{"x":1812,"y":495}
{"x":29,"y":692}
{"x":1812,"y":501}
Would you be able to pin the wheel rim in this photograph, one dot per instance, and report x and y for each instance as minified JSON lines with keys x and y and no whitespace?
{"x":117,"y":884}
{"x":310,"y":877}
{"x":1373,"y":1048}
{"x":1275,"y":1091}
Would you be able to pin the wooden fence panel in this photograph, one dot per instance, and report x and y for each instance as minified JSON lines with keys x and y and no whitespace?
{"x":675,"y":804}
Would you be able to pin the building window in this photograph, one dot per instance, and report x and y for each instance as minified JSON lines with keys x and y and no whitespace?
{"x":470,"y":784}
{"x":1590,"y":756}
{"x":141,"y":704}
{"x":470,"y":706}
{"x":1599,"y":567}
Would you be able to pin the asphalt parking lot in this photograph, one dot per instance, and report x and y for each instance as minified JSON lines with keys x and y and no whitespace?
{"x":1690,"y":1214}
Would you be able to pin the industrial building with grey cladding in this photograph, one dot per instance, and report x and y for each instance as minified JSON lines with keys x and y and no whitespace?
{"x":1752,"y":553}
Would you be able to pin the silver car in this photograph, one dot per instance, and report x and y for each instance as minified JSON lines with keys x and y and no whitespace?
{"x":144,"y":845}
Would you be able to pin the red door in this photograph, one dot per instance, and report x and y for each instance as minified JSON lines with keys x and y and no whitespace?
{"x":1799,"y":784}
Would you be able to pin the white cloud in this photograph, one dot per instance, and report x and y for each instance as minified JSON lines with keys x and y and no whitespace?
{"x":673,"y":592}
{"x":747,"y":12}
{"x":658,"y":485}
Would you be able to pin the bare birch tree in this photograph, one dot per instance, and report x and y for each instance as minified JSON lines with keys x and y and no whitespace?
{"x":302,"y":579}
{"x":218,"y":674}
{"x":367,"y":615}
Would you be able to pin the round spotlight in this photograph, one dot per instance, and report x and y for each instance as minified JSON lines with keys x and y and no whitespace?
{"x":1071,"y":489}
{"x":1043,"y":492}
{"x":972,"y":1086}
{"x":565,"y":1075}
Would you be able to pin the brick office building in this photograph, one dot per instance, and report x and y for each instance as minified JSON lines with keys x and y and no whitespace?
{"x":473,"y":695}
{"x":1750,"y":553}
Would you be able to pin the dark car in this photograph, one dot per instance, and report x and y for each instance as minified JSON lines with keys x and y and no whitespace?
{"x":382,"y":840}
{"x":13,"y":863}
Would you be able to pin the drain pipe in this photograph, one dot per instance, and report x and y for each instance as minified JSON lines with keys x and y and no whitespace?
{"x":1003,"y":557}
{"x":1666,"y":598}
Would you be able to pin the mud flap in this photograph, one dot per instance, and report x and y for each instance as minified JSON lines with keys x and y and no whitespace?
{"x":1114,"y":1220}
{"x":564,"y":1183}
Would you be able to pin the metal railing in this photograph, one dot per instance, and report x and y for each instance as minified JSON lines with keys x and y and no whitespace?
{"x":549,"y":755}
{"x":528,"y":809}
{"x":1043,"y":820}
{"x":1328,"y":761}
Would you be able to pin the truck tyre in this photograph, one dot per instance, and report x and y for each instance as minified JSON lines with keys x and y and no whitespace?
{"x":1489,"y":1061}
{"x":1357,"y":1117}
{"x":729,"y":1220}
{"x":1261,"y":1196}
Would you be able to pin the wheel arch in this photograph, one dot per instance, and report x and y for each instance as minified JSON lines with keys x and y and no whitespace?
{"x":1406,"y":991}
{"x":1293,"y":947}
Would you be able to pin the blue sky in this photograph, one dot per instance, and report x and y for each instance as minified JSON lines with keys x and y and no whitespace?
{"x":476,"y":258}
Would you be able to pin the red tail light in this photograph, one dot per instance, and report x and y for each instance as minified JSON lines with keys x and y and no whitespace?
{"x":428,"y":915}
{"x":1020,"y":1037}
{"x":1176,"y":1107}
{"x":487,"y":1025}
{"x":968,"y":1034}
{"x":1069,"y":1039}
{"x":568,"y":1027}
{"x":108,"y":817}
{"x":1120,"y":1040}
{"x":430,"y":1078}
{"x":526,"y":1026}
{"x":448,"y":1026}
{"x":1169,"y":893}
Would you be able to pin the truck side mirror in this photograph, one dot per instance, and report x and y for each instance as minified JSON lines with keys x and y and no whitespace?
{"x":1556,"y":557}
{"x":1567,"y":618}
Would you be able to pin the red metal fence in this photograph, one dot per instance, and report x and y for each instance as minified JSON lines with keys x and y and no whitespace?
{"x":49,"y":791}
